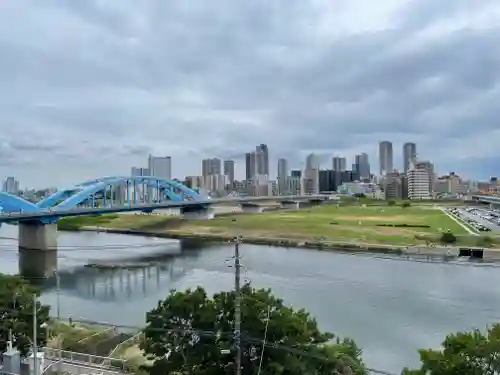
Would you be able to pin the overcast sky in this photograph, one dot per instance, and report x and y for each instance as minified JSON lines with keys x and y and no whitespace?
{"x":89,"y":88}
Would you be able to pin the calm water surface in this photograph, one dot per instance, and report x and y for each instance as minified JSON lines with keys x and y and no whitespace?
{"x":390,"y":307}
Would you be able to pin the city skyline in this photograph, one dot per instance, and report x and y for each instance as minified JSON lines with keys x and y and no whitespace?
{"x":142,"y":78}
{"x":362,"y":164}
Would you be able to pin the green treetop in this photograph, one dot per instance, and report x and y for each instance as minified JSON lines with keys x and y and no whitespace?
{"x":463,"y":353}
{"x":190,"y":333}
{"x":16,"y":314}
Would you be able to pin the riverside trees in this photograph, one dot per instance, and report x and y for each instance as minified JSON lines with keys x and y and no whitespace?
{"x":463,"y":353}
{"x":190,"y":333}
{"x":16,"y":314}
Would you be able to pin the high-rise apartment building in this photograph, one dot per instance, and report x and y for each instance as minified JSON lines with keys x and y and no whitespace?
{"x":409,"y":155}
{"x":362,"y":166}
{"x":418,"y":182}
{"x":310,"y":177}
{"x":282,"y":168}
{"x":339,"y":164}
{"x":139,"y":171}
{"x":211,"y":167}
{"x":429,"y":167}
{"x":250,"y":165}
{"x":11,"y":185}
{"x":282,"y":176}
{"x":385,"y":157}
{"x":262,"y":155}
{"x":160,"y":166}
{"x":229,"y":171}
{"x":312,"y":161}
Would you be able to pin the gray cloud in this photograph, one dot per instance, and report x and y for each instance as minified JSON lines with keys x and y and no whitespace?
{"x":90,"y":88}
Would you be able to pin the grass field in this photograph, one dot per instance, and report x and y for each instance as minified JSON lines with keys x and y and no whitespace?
{"x":365,"y":224}
{"x":376,"y":224}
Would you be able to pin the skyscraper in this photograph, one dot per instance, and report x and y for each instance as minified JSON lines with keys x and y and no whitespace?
{"x":229,"y":171}
{"x":250,"y":165}
{"x":262,"y":156}
{"x":312,"y":161}
{"x":282,"y":175}
{"x":362,"y":165}
{"x":160,"y":166}
{"x":211,"y":167}
{"x":310,"y":177}
{"x":282,"y":168}
{"x":385,"y":157}
{"x":339,"y":164}
{"x":409,"y":155}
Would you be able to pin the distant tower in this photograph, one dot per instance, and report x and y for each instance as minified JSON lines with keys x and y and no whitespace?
{"x":262,"y":153}
{"x":339,"y":164}
{"x":409,"y":155}
{"x":229,"y":170}
{"x":385,"y":157}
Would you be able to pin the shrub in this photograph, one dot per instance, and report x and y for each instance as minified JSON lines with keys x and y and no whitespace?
{"x":448,"y":237}
{"x":391,"y":203}
{"x":405,"y":204}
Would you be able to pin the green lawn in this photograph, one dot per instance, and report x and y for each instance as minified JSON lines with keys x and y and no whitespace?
{"x":371,"y":224}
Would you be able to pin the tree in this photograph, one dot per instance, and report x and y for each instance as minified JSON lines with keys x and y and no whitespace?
{"x":463,"y":353}
{"x":16,"y":299}
{"x":448,"y":237}
{"x":190,"y":333}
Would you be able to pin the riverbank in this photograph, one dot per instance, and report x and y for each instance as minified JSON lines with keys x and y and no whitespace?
{"x":355,"y":228}
{"x":448,"y":251}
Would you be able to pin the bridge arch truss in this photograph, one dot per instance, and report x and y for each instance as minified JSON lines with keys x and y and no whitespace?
{"x":106,"y":192}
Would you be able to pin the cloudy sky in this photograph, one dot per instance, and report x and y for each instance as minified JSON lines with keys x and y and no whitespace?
{"x":89,"y":88}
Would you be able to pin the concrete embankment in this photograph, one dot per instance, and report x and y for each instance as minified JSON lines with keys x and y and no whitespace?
{"x":447,"y":251}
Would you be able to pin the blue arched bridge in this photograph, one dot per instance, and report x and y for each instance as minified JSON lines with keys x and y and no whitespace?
{"x":37,"y":229}
{"x":118,"y":194}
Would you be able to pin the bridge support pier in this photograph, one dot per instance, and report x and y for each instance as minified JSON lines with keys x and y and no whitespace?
{"x":292,"y":205}
{"x":251,"y":208}
{"x":37,"y":249}
{"x":204,"y":213}
{"x":317,"y":202}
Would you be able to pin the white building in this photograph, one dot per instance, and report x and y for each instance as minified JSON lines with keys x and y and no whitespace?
{"x":215,"y":182}
{"x":160,"y":166}
{"x":418,"y":183}
{"x":294,"y":186}
{"x":369,"y":189}
{"x":11,"y":186}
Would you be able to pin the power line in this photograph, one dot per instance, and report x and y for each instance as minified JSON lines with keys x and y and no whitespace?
{"x":237,"y":304}
{"x":211,"y":333}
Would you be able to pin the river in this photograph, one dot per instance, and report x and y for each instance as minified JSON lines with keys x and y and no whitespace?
{"x":391,"y":307}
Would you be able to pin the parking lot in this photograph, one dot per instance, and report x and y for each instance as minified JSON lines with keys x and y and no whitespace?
{"x":481,"y":219}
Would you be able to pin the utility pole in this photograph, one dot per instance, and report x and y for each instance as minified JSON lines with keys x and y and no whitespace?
{"x":35,"y":336}
{"x":59,"y":348}
{"x":237,"y":305}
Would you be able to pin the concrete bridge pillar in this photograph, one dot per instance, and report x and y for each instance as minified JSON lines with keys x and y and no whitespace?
{"x":37,"y":249}
{"x":316,"y":202}
{"x":249,"y":208}
{"x":198,"y":213}
{"x":292,"y":205}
